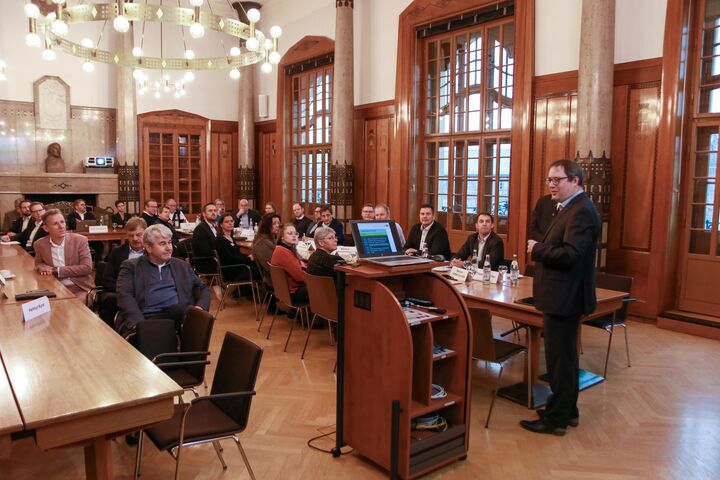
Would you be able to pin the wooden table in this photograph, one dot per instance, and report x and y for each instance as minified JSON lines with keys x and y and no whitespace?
{"x":245,"y":246}
{"x":502,"y":302}
{"x":10,"y":420}
{"x":78,"y":383}
{"x":111,"y":235}
{"x":22,"y":265}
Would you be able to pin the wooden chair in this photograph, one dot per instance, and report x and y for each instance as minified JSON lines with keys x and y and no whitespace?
{"x":187,"y":366}
{"x":228,"y":286}
{"x":221,"y":415}
{"x":489,"y":349}
{"x":282,"y":294}
{"x":323,"y":303}
{"x":619,"y":283}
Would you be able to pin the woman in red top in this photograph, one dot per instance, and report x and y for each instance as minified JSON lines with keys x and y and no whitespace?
{"x":286,"y":257}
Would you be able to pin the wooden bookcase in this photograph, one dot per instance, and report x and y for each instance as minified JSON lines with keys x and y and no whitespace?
{"x":386,"y":359}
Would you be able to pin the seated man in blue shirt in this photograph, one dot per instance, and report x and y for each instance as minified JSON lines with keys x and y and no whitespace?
{"x":156,"y":285}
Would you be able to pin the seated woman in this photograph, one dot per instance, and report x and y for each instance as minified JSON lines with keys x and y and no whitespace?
{"x":322,"y":261}
{"x":229,"y":253}
{"x":120,"y":218}
{"x":264,"y":244}
{"x":270,"y":209}
{"x":286,"y":257}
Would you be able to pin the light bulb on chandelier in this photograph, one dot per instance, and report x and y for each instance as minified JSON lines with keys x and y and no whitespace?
{"x":121,"y":24}
{"x":48,"y":55}
{"x":33,"y":40}
{"x":31,"y":10}
{"x":235,"y":52}
{"x":266,"y":67}
{"x":189,"y":54}
{"x":253,"y":15}
{"x":89,"y":66}
{"x":197,"y":30}
{"x":59,"y":28}
{"x":196,"y":3}
{"x":234,"y":73}
{"x":189,"y":76}
{"x":137,"y":52}
{"x":252,"y":44}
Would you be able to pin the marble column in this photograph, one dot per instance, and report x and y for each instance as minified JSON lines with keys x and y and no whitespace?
{"x":341,"y":171}
{"x":246,"y":172}
{"x":595,"y":104}
{"x":126,"y":155}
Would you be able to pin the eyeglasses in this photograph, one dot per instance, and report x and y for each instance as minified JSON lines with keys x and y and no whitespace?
{"x":555,"y":181}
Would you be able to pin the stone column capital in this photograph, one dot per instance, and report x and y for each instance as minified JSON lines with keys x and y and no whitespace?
{"x":343,"y":3}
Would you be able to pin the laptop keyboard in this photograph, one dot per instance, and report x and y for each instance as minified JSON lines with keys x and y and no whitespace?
{"x":389,"y":259}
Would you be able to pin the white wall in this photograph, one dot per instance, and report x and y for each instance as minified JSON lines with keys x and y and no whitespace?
{"x":639,"y":30}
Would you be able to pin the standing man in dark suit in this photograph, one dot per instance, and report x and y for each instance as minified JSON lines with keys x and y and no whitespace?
{"x":203,"y":240}
{"x":485,"y":241}
{"x":543,"y":213}
{"x":564,"y":289}
{"x":246,"y":217}
{"x":428,"y":234}
{"x":156,"y":285}
{"x":80,"y":213}
{"x":150,"y":210}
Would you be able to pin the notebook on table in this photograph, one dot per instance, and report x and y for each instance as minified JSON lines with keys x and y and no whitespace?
{"x":377,"y":241}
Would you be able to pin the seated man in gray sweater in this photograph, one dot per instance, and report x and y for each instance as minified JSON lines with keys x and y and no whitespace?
{"x":156,"y":285}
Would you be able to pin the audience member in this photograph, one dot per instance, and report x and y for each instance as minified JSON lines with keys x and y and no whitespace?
{"x":285,"y":256}
{"x":327,"y":220}
{"x":316,"y":222}
{"x":120,"y":217}
{"x":176,"y":215}
{"x":229,"y":253}
{"x":301,"y":222}
{"x":65,"y":255}
{"x":12,"y":215}
{"x":264,"y":244}
{"x":34,"y":231}
{"x":220,"y":207}
{"x":485,"y":242}
{"x":132,"y":248}
{"x":322,"y":261}
{"x":80,"y":213}
{"x":246,"y":217}
{"x":270,"y":208}
{"x":22,"y":221}
{"x":382,"y":212}
{"x":203,"y":240}
{"x":428,"y":235}
{"x":150,"y":210}
{"x":164,"y":218}
{"x":156,"y":285}
{"x":367,"y":212}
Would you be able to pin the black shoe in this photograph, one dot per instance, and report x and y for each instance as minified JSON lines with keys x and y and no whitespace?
{"x":132,"y":439}
{"x":540,"y":426}
{"x":573,"y":422}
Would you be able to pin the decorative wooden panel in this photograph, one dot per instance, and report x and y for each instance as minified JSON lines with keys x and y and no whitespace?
{"x":266,"y":161}
{"x":223,"y":162}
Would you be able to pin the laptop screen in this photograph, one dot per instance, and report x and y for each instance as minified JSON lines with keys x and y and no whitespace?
{"x":375,"y":238}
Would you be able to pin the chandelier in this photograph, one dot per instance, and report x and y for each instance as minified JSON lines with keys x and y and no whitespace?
{"x":254,"y":47}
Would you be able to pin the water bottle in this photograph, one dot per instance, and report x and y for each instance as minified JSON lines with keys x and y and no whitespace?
{"x":423,"y":250}
{"x":100,"y":220}
{"x":514,"y":271}
{"x":254,"y":226}
{"x":486,"y":270}
{"x":475,"y":260}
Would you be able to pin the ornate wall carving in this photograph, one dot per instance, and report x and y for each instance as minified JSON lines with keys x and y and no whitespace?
{"x":341,"y":184}
{"x":247,"y":183}
{"x":129,"y":183}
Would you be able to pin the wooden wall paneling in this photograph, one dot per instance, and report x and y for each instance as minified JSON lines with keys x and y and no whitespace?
{"x":224,"y":160}
{"x":265,"y":157}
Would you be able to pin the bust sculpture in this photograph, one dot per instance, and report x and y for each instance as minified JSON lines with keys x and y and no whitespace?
{"x":54,"y":162}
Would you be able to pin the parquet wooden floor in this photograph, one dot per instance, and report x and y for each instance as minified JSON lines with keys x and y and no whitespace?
{"x":659,"y":419}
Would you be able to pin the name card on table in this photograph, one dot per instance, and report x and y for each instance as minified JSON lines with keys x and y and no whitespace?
{"x":35,"y":308}
{"x":98,"y":229}
{"x":494,"y":277}
{"x":459,"y":274}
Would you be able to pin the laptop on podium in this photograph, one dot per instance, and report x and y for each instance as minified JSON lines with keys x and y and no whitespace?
{"x":377,"y":241}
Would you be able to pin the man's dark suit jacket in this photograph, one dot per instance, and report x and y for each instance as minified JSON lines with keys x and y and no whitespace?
{"x":203,"y":245}
{"x":17,"y":224}
{"x":25,"y":235}
{"x":253,"y":215}
{"x":132,"y":285}
{"x":302,"y":225}
{"x":73,"y":218}
{"x":175,"y":234}
{"x":543,"y":213}
{"x":436,"y":240}
{"x":564,"y":282}
{"x":120,"y":222}
{"x":493,"y":246}
{"x":323,"y":264}
{"x":115,"y":259}
{"x":336,"y":225}
{"x":149,"y":219}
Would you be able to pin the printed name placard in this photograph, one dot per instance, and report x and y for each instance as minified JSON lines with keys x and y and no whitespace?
{"x":98,"y":229}
{"x":459,"y":274}
{"x":494,"y":277}
{"x":35,"y":308}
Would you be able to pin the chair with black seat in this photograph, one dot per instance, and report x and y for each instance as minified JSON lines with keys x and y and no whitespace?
{"x":323,"y":303}
{"x":227,"y":285}
{"x":187,"y":366}
{"x":487,"y":348}
{"x":281,"y":289}
{"x":204,"y":267}
{"x":619,"y":283}
{"x":221,"y":415}
{"x":93,"y":300}
{"x":267,"y":296}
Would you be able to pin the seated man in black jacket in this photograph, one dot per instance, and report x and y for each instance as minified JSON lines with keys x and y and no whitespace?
{"x":156,"y":285}
{"x":80,"y":213}
{"x":428,"y":235}
{"x":322,"y":261}
{"x":132,"y":248}
{"x":327,"y":220}
{"x":481,"y":244}
{"x":203,"y":240}
{"x":34,"y":231}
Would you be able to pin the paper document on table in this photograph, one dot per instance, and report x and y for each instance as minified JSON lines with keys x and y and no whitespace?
{"x":10,"y":243}
{"x":305,"y":249}
{"x":349,"y":254}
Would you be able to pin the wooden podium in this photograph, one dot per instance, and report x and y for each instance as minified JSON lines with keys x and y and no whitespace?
{"x":386,"y":368}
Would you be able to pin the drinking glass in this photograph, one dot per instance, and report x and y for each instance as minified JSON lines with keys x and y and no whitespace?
{"x":114,"y":225}
{"x":503,"y":270}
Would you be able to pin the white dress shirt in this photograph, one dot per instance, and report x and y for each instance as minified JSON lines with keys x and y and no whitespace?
{"x":58,"y":258}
